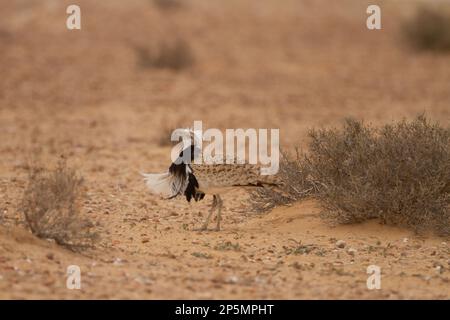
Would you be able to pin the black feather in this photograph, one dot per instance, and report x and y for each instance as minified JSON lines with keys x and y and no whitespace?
{"x":178,"y":170}
{"x":190,"y":189}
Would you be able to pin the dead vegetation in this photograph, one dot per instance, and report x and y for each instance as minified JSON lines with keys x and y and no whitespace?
{"x":399,"y":173}
{"x":296,"y":180}
{"x":227,"y":246}
{"x":176,"y":55}
{"x":429,"y":29}
{"x":201,"y":255}
{"x":51,"y":206}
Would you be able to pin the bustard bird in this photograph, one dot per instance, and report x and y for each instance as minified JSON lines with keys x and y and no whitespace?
{"x":194,"y":181}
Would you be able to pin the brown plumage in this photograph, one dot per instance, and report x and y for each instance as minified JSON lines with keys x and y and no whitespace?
{"x":217,"y":179}
{"x":194,"y":181}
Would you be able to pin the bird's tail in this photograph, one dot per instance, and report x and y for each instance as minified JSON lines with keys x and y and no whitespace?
{"x":159,"y":183}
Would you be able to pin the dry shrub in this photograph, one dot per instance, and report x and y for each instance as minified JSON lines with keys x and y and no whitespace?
{"x":429,"y":29}
{"x":174,"y":56}
{"x":50,"y":205}
{"x":295,"y":184}
{"x":399,"y":173}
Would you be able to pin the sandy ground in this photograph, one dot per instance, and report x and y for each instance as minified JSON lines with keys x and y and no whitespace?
{"x":286,"y":254}
{"x":258,"y":64}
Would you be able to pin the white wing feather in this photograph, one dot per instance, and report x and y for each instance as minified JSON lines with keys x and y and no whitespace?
{"x":166,"y":184}
{"x":159,"y":183}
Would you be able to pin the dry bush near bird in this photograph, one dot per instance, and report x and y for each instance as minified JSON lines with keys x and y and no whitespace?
{"x":429,"y":29}
{"x":51,"y":206}
{"x":399,"y":173}
{"x":296,"y":185}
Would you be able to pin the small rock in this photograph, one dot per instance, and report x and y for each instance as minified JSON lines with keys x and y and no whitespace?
{"x":405,"y":240}
{"x":50,"y":256}
{"x":351,"y":251}
{"x":143,"y":280}
{"x":448,"y":262}
{"x":145,"y":240}
{"x":232,"y":279}
{"x":340,"y":244}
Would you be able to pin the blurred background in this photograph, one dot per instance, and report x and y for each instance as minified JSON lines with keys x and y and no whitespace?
{"x":139,"y":68}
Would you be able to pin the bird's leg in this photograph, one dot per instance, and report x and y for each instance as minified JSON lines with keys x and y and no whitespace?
{"x":219,"y":212}
{"x":213,"y":206}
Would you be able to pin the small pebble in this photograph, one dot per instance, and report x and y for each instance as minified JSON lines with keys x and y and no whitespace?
{"x":351,"y":251}
{"x":232,"y":279}
{"x":340,"y":244}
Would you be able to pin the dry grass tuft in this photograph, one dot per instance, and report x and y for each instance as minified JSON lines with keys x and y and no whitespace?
{"x":173,"y":56}
{"x":50,"y":205}
{"x":399,"y":173}
{"x":227,"y":246}
{"x":296,"y":185}
{"x":429,"y":29}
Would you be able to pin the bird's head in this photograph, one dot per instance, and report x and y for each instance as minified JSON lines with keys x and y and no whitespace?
{"x":188,"y":147}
